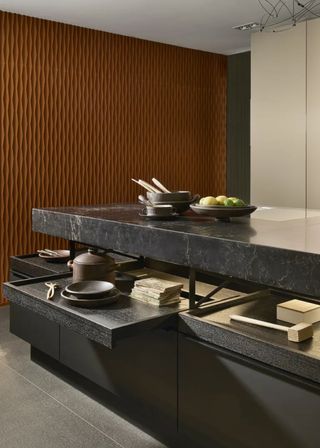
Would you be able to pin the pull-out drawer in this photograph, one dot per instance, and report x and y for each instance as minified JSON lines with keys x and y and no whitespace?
{"x":242,"y":403}
{"x":105,"y":325}
{"x":31,"y":265}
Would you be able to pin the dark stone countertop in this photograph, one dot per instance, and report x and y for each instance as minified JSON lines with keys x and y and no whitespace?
{"x":283,"y":254}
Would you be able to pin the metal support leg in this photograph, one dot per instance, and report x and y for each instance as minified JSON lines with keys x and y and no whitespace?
{"x":72,"y":248}
{"x":192,"y":288}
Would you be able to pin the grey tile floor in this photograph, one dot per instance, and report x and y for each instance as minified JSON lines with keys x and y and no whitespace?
{"x":40,"y":410}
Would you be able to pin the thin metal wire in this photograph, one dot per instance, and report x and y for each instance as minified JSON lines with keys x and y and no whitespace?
{"x":283,"y":14}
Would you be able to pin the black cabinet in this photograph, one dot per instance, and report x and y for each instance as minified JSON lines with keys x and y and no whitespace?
{"x":140,"y":370}
{"x":35,"y":329}
{"x":226,"y":401}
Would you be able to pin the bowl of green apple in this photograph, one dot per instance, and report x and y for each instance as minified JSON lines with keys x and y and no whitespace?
{"x":222,"y":207}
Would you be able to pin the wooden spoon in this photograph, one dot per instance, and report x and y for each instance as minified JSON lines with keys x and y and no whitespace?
{"x":160,"y":185}
{"x":145,"y":187}
{"x":146,"y":184}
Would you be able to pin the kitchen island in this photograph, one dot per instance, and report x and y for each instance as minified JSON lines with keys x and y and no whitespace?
{"x":283,"y":254}
{"x":174,"y":363}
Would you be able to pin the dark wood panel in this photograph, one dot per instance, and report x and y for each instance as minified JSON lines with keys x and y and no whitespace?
{"x":83,"y":111}
{"x":238,"y":126}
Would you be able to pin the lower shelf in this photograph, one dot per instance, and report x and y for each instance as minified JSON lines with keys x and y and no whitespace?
{"x":106,"y":325}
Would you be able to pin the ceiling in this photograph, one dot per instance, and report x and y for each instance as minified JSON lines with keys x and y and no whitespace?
{"x":200,"y":24}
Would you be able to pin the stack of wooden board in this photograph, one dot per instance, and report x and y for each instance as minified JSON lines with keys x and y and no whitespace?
{"x":156,"y":291}
{"x":202,"y":289}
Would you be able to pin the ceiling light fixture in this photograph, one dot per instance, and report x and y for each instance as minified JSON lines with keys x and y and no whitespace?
{"x":280,"y":15}
{"x":246,"y":26}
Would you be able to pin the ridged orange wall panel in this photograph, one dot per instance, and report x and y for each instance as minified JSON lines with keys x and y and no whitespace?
{"x":83,"y":111}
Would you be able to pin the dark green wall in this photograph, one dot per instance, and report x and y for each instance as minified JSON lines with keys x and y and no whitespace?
{"x":238,"y":126}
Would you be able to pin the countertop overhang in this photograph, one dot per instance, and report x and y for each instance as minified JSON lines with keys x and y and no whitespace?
{"x":281,"y":254}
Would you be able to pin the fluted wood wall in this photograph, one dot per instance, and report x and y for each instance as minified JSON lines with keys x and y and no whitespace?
{"x":82,"y":111}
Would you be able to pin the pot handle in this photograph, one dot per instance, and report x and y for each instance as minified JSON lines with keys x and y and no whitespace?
{"x":195,"y":198}
{"x":70,"y":264}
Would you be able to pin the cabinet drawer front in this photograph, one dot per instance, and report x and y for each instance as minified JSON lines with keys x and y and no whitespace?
{"x":141,"y":370}
{"x":35,"y":329}
{"x":237,"y":404}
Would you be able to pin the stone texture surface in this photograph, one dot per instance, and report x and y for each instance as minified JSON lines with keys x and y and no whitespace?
{"x":104,"y":325}
{"x":268,"y":346}
{"x":282,"y":254}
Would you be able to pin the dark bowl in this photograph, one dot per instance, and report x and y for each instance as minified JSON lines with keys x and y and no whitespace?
{"x":169,"y":197}
{"x":90,"y":289}
{"x":223,"y":212}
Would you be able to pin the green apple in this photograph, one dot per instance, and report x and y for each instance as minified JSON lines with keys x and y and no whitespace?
{"x":233,"y":198}
{"x":239,"y":203}
{"x":229,"y":202}
{"x":208,"y":200}
{"x":221,"y":199}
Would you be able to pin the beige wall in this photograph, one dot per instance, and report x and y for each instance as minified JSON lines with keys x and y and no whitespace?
{"x":278,"y":118}
{"x":285,"y":123}
{"x":313,"y":114}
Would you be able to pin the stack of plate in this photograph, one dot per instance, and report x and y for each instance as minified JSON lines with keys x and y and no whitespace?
{"x":90,"y":293}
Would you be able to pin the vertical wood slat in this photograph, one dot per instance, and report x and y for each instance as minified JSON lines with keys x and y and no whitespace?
{"x":83,"y":111}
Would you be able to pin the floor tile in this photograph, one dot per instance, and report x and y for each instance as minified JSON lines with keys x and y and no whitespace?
{"x":31,"y":418}
{"x":15,"y":353}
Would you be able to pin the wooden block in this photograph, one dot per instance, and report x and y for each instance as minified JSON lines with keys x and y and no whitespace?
{"x":295,"y":311}
{"x":300,"y":332}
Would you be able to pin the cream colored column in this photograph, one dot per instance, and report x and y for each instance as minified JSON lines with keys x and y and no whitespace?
{"x":313,"y":114}
{"x":278,"y":117}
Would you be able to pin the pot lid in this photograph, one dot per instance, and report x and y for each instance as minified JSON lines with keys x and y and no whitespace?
{"x":93,"y":257}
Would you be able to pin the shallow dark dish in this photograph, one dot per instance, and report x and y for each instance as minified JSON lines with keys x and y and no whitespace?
{"x":90,"y":289}
{"x":91,"y":303}
{"x":64,"y":256}
{"x":159,"y":218}
{"x":223,"y":212}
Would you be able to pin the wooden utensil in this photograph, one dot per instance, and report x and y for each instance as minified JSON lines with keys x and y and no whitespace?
{"x":146,"y":184}
{"x":146,"y":187}
{"x":297,"y":333}
{"x":52,"y":287}
{"x":159,"y":185}
{"x":49,"y":252}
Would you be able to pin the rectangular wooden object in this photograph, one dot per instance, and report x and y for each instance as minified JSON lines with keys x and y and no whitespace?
{"x":296,"y":311}
{"x":300,"y":332}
